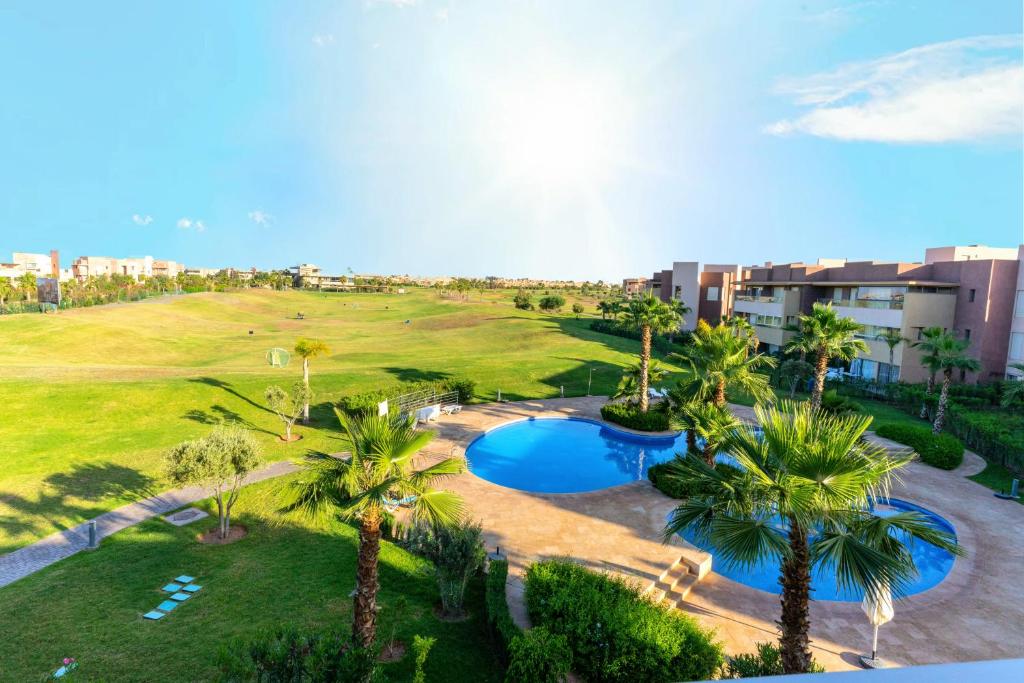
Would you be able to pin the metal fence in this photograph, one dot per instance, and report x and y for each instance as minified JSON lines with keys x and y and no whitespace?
{"x":413,"y":401}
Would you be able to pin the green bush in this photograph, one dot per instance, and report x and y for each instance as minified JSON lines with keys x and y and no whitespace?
{"x":676,"y":487}
{"x":457,"y":552}
{"x":615,"y":633}
{"x":630,"y":416}
{"x":834,"y":404}
{"x":522,"y":300}
{"x":998,"y":436}
{"x":287,"y":654}
{"x":539,"y":656}
{"x":767,"y":661}
{"x":498,"y":618}
{"x":554,"y":302}
{"x":942,"y":451}
{"x":659,"y":342}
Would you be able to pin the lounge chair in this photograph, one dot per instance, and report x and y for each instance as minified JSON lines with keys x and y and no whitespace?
{"x":452,"y":409}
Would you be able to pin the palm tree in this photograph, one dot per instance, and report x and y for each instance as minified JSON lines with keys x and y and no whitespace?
{"x":928,"y":345}
{"x":706,"y":421}
{"x":682,"y":310}
{"x":950,"y":354}
{"x":629,"y":385}
{"x":741,"y":327}
{"x":827,"y":336}
{"x":376,"y":476}
{"x":1013,"y":390}
{"x":6,"y":290}
{"x":309,"y":348}
{"x":719,"y":361}
{"x":605,"y":307}
{"x":615,"y":308}
{"x":801,"y":496}
{"x":892,"y":338}
{"x":650,"y":315}
{"x":27,"y":284}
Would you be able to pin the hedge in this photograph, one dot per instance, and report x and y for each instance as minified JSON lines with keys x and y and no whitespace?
{"x":630,"y":416}
{"x":366,"y":402}
{"x":996,"y":436}
{"x":942,"y":451}
{"x":539,"y":656}
{"x":616,"y":634}
{"x":675,"y":487}
{"x":498,"y":618}
{"x":658,"y":342}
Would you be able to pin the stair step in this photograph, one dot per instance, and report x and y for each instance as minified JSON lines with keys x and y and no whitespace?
{"x":677,"y":595}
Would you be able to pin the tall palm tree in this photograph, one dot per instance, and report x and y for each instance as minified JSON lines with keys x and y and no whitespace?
{"x":951,"y":354}
{"x":801,"y":497}
{"x":629,"y":385}
{"x":682,"y":310}
{"x":1013,"y":389}
{"x":377,"y":475}
{"x":827,"y":336}
{"x":6,"y":290}
{"x":616,"y":307}
{"x":27,"y":284}
{"x":928,"y":346}
{"x":605,"y":307}
{"x":705,"y":421}
{"x":741,"y":327}
{"x":309,"y":348}
{"x":650,"y":315}
{"x":892,"y":338}
{"x":720,"y":362}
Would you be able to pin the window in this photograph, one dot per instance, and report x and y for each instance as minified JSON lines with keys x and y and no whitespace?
{"x":1019,"y":308}
{"x":712,"y":293}
{"x":970,"y":295}
{"x":1017,"y":346}
{"x":967,"y":334}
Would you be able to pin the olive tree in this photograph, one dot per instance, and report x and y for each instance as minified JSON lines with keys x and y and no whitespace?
{"x":219,"y":461}
{"x":288,"y":406}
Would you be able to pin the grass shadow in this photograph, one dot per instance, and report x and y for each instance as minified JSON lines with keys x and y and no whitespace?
{"x":228,"y":387}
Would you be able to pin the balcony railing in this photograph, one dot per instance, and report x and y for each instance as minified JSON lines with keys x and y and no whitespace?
{"x":890,"y":304}
{"x":759,"y":299}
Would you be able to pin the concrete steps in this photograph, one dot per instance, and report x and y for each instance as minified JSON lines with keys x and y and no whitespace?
{"x":674,"y":585}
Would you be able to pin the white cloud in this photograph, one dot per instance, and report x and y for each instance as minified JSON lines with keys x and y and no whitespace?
{"x":141,"y":220}
{"x":260,"y":217}
{"x":961,"y":90}
{"x":443,"y":14}
{"x":392,"y":3}
{"x":189,"y":224}
{"x":323,"y":39}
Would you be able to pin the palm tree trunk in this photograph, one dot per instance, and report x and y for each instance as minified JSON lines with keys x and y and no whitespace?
{"x":709,"y":453}
{"x":928,"y":392}
{"x":795,"y":579}
{"x":940,"y":412}
{"x":691,"y":441}
{"x":720,"y":393}
{"x":820,"y":368}
{"x":645,"y":361}
{"x":364,"y":622}
{"x":305,"y":380}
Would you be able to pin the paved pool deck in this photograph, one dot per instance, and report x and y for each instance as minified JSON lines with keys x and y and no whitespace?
{"x":976,"y":613}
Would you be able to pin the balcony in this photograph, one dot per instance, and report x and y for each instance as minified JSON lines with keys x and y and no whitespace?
{"x":759,"y":299}
{"x":884,"y":304}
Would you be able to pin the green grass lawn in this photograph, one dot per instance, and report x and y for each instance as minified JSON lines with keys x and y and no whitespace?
{"x":997,"y":478}
{"x":93,"y":397}
{"x":286,"y":571}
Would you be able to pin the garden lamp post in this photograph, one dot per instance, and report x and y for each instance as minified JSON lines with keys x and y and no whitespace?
{"x":879,"y":611}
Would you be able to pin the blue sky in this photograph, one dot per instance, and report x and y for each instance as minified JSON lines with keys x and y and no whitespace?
{"x":552,"y":139}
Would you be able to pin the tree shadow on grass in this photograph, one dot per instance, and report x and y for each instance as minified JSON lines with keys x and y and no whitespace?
{"x":228,"y":387}
{"x":219,"y":415}
{"x":416,"y":374}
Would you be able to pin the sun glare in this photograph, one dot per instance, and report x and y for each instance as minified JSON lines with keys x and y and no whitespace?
{"x":557,"y":133}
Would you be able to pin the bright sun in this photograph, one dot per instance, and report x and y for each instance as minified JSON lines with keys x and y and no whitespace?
{"x":556,"y":133}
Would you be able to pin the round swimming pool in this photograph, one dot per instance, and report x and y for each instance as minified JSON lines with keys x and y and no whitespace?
{"x":566,"y":455}
{"x":933,"y":563}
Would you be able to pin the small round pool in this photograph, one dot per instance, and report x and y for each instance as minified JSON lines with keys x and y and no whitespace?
{"x":933,"y":563}
{"x":566,"y":455}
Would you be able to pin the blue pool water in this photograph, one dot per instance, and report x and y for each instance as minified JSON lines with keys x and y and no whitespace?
{"x":933,"y":563}
{"x":560,"y":455}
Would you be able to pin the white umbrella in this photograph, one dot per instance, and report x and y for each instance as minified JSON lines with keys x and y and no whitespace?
{"x":878,"y":609}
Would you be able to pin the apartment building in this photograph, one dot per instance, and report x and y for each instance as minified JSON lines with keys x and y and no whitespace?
{"x":1015,"y":346}
{"x":308,"y":275}
{"x":969,"y":290}
{"x":708,"y":291}
{"x":632,"y":286}
{"x":40,"y":265}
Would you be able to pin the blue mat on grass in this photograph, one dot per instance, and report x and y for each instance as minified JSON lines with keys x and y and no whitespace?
{"x":181,"y":597}
{"x":154,"y":615}
{"x":185,"y":578}
{"x":191,"y":588}
{"x":167,"y":605}
{"x":172,"y":587}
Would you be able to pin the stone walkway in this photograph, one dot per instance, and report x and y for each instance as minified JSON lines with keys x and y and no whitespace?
{"x":55,"y":547}
{"x":976,"y":613}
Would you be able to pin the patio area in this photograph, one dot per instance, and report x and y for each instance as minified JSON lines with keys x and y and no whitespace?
{"x":975,"y":613}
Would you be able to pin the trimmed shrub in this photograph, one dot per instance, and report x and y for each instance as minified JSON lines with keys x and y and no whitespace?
{"x":287,"y":654}
{"x":366,"y":402}
{"x":998,"y":436}
{"x":942,"y":451}
{"x":498,"y":618}
{"x":539,"y":656}
{"x":675,"y":487}
{"x":615,"y":633}
{"x":834,"y":404}
{"x":767,"y":661}
{"x":630,"y":416}
{"x":659,"y":342}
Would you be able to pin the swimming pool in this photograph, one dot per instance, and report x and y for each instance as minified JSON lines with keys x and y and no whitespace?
{"x":933,"y":563}
{"x":566,"y":455}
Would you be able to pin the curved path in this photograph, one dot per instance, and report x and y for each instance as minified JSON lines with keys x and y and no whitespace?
{"x":55,"y":547}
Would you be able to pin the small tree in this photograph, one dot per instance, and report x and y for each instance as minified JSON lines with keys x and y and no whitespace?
{"x":287,"y":406}
{"x":577,"y":309}
{"x":522,"y":300}
{"x":457,"y":551}
{"x":219,"y":461}
{"x":552,"y":302}
{"x":306,"y":349}
{"x":421,"y":648}
{"x":795,"y":371}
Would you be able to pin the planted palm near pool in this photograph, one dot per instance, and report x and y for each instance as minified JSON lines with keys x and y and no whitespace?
{"x":802,"y":496}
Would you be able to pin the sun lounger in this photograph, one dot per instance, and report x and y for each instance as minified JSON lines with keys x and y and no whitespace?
{"x":451,"y":410}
